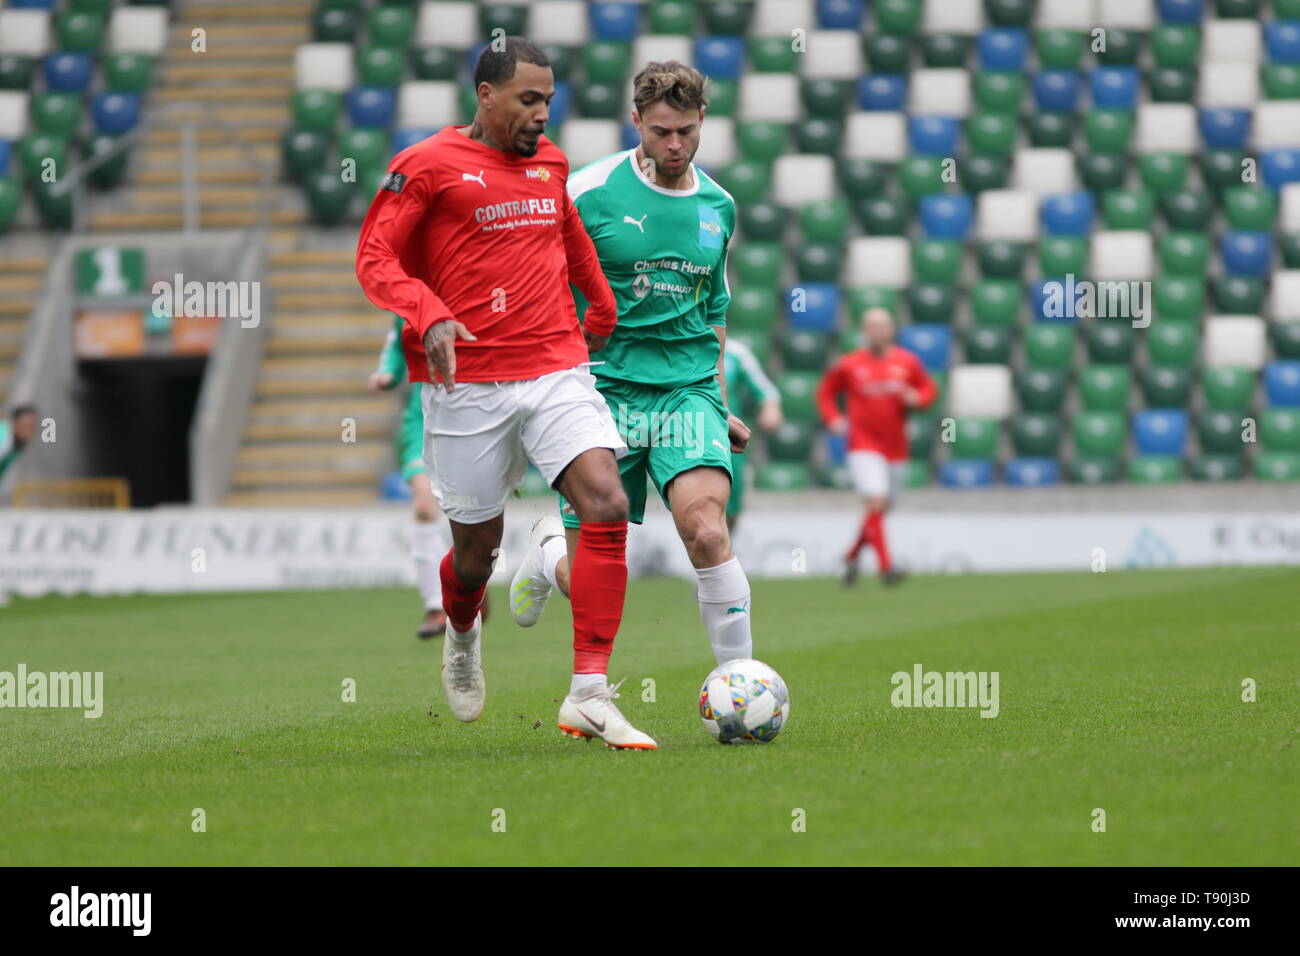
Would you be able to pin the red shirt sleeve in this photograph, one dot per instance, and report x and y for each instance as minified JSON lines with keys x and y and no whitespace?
{"x":920,"y":380}
{"x":585,"y":273}
{"x":384,"y":277}
{"x":828,"y":393}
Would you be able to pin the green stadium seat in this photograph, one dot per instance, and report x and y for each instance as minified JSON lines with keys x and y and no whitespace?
{"x":866,"y":297}
{"x":757,"y":263}
{"x":799,"y":394}
{"x":805,"y":351}
{"x":898,"y":16}
{"x":782,"y":475}
{"x":979,"y":173}
{"x":1165,"y":386}
{"x":944,"y":50}
{"x":368,"y":147}
{"x":1036,"y":435}
{"x":937,"y":260}
{"x":761,"y":221}
{"x":1286,"y":339}
{"x":1104,"y":388}
{"x":1184,"y":253}
{"x":511,"y":19}
{"x":863,"y":178}
{"x":16,"y":72}
{"x":1108,"y":130}
{"x":672,"y":17}
{"x":606,"y":61}
{"x":773,"y":55}
{"x":55,"y":207}
{"x":1128,"y":209}
{"x":1277,"y":466}
{"x":883,"y":216}
{"x":1222,"y":168}
{"x":1249,"y":207}
{"x":128,"y":73}
{"x":390,"y":24}
{"x":1178,"y":298}
{"x":1172,"y":86}
{"x":440,"y":63}
{"x":303,"y":152}
{"x":760,"y":343}
{"x":316,"y":110}
{"x":58,"y":114}
{"x":1050,"y":129}
{"x":727,"y":17}
{"x":917,"y":474}
{"x":1228,"y":389}
{"x":1102,"y":172}
{"x":1063,"y":255}
{"x":921,"y":176}
{"x":932,"y":302}
{"x":36,"y":149}
{"x":722,"y":97}
{"x":1155,"y":470}
{"x":1041,"y":389}
{"x":599,"y":100}
{"x":753,"y":308}
{"x":1286,"y":9}
{"x":1099,"y":434}
{"x":823,"y":98}
{"x":988,"y":345}
{"x":974,"y":438}
{"x":1000,"y":259}
{"x":1058,"y":49}
{"x":1187,"y":209}
{"x":110,"y":173}
{"x":922,"y":433}
{"x":1172,"y":343}
{"x":91,"y":6}
{"x":999,"y":92}
{"x":10,"y":199}
{"x":334,"y":25}
{"x":1216,"y":467}
{"x":818,"y":137}
{"x":381,"y":65}
{"x":888,"y":54}
{"x":793,"y":441}
{"x":1163,"y":173}
{"x":996,"y":302}
{"x":1094,"y":471}
{"x":1281,"y":81}
{"x":748,"y":182}
{"x":825,"y":221}
{"x":1289,"y":244}
{"x":1220,"y":431}
{"x":1279,"y":429}
{"x":819,"y":262}
{"x":1239,"y":295}
{"x":1009,"y":13}
{"x":1175,"y":45}
{"x":79,"y":32}
{"x":991,"y":133}
{"x":1122,"y":48}
{"x":1109,"y":341}
{"x":1049,"y":345}
{"x":762,"y":141}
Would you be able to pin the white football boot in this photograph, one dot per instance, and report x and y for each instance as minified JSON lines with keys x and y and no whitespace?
{"x":530,"y":589}
{"x":462,"y":673}
{"x":598,"y":716}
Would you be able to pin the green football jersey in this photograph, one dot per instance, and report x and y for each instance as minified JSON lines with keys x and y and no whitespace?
{"x":664,"y":252}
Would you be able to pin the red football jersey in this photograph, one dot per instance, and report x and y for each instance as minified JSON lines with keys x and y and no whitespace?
{"x":460,"y":230}
{"x":873,"y":388}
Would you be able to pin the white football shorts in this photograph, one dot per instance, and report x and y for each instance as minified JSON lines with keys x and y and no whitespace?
{"x":874,"y":476}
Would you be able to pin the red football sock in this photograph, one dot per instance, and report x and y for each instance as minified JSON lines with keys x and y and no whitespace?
{"x":864,"y":538}
{"x":876,"y":524}
{"x":460,"y":603}
{"x":597,"y":587}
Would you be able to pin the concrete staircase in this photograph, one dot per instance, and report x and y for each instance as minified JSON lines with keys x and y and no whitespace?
{"x":20,"y":282}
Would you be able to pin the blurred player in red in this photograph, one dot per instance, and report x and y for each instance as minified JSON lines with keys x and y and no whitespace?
{"x":473,"y":239}
{"x":880,"y":384}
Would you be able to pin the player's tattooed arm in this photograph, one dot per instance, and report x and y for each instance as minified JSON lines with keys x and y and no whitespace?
{"x":440,"y":350}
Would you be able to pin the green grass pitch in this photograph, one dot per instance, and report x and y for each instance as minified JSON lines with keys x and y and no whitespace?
{"x":1120,"y":691}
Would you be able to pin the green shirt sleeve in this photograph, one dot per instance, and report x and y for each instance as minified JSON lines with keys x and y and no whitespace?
{"x":719,"y":286}
{"x":391,"y":359}
{"x":749,"y":374}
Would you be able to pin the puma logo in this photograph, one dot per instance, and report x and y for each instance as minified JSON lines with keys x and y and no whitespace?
{"x":474,"y":179}
{"x":637,"y":222}
{"x":737,"y":610}
{"x":720,"y":445}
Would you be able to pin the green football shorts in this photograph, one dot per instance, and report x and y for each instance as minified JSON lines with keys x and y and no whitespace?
{"x":410,"y":437}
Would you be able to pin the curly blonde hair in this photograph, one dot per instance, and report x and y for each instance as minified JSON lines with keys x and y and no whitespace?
{"x":680,"y":86}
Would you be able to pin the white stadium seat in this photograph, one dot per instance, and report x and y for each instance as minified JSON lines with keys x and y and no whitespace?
{"x":451,"y":24}
{"x":562,"y":22}
{"x":1276,"y":124}
{"x":1122,"y":254}
{"x":1166,"y":127}
{"x":953,"y":16}
{"x":138,"y":30}
{"x":879,"y":136}
{"x":939,"y":92}
{"x":833,"y":55}
{"x":879,"y":260}
{"x":1044,"y":170}
{"x":25,"y":32}
{"x":1289,"y":208}
{"x":323,"y":66}
{"x":980,"y":391}
{"x":798,"y":179}
{"x":769,"y":97}
{"x":587,"y":140}
{"x":1235,"y":340}
{"x":653,"y":47}
{"x":1230,"y":84}
{"x":1236,"y":41}
{"x":1010,"y":214}
{"x":1066,"y":15}
{"x":717,"y":142}
{"x":1285,"y":305}
{"x":14,"y":106}
{"x":427,"y":104}
{"x":777,"y":18}
{"x":1139,"y":15}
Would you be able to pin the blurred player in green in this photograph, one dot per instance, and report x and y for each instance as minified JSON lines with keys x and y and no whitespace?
{"x":661,"y":228}
{"x":746,"y":381}
{"x":427,"y":541}
{"x":16,"y":433}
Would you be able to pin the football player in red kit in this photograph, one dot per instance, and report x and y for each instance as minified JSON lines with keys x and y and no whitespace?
{"x":880,"y":384}
{"x":473,"y":239}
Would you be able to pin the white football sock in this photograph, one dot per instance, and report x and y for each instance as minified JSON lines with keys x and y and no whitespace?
{"x":584,"y":685}
{"x":427,"y":549}
{"x":724,"y":609}
{"x":553,"y":550}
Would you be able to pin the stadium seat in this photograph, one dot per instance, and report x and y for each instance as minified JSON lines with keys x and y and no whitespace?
{"x":68,"y":72}
{"x":1282,"y":382}
{"x":1007,"y":214}
{"x":1044,"y":171}
{"x":1049,"y":346}
{"x":1160,"y":431}
{"x":115,"y":113}
{"x":1246,"y":252}
{"x":980,"y":391}
{"x":1067,"y":214}
{"x":1000,"y":259}
{"x":753,"y":308}
{"x":1236,"y":340}
{"x":430,"y":104}
{"x":831,"y":54}
{"x":1122,"y":254}
{"x":1171,"y":343}
{"x":1036,"y":434}
{"x":884,"y":216}
{"x":946,"y":217}
{"x":996,"y":302}
{"x":782,"y":476}
{"x":813,"y":306}
{"x":1099,"y":435}
{"x":587,"y":140}
{"x":720,"y":57}
{"x":792,"y":442}
{"x":1104,"y":388}
{"x":939,"y":92}
{"x":1224,"y":128}
{"x":138,"y":30}
{"x":883,"y":261}
{"x":1155,"y":469}
{"x":1208,"y":467}
{"x":1229,"y":84}
{"x":773,"y":97}
{"x":878,"y":136}
{"x":988,"y":344}
{"x":1094,"y":471}
{"x":323,"y":66}
{"x":959,"y":473}
{"x":1286,"y":339}
{"x":1241,"y":295}
{"x":371,"y":106}
{"x":1032,"y":472}
{"x":932,"y":302}
{"x":1187,"y":210}
{"x":1184,"y":253}
{"x":1277,"y":466}
{"x":1166,"y":386}
{"x":455,"y":25}
{"x":1041,"y":389}
{"x":931,"y":343}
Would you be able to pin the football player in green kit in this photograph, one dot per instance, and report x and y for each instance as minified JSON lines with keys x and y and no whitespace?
{"x":746,"y":380}
{"x":661,"y":229}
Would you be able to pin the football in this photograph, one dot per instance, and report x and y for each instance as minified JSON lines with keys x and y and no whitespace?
{"x":744,"y":701}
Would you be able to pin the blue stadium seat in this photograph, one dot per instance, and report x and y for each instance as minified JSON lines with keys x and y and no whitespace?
{"x":1032,"y":472}
{"x":1181,"y":11}
{"x":1049,"y":293}
{"x":631,"y":138}
{"x":4,"y":157}
{"x":560,"y":103}
{"x":966,"y":473}
{"x":68,"y":72}
{"x":1068,"y":214}
{"x":372,"y":106}
{"x":720,"y":58}
{"x":1282,"y":40}
{"x":615,"y":21}
{"x":931,"y":343}
{"x":838,"y":15}
{"x":837,"y":448}
{"x":934,"y":135}
{"x":820,"y":301}
{"x":1282,"y":382}
{"x":1223,"y":128}
{"x":1003,"y":49}
{"x":1056,"y":90}
{"x":1246,"y":253}
{"x":1115,"y":87}
{"x":32,"y":4}
{"x":947,"y":217}
{"x":1277,"y":167}
{"x":1160,"y":431}
{"x":393,"y":487}
{"x":409,"y":136}
{"x":115,"y":113}
{"x":882,"y":91}
{"x":472,"y":55}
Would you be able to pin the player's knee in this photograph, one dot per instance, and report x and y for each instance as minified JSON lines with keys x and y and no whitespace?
{"x":608,"y":505}
{"x":426,"y":511}
{"x":704,"y":531}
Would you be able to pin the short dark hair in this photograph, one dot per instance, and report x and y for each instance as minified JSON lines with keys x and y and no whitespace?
{"x":27,"y":408}
{"x":498,"y":66}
